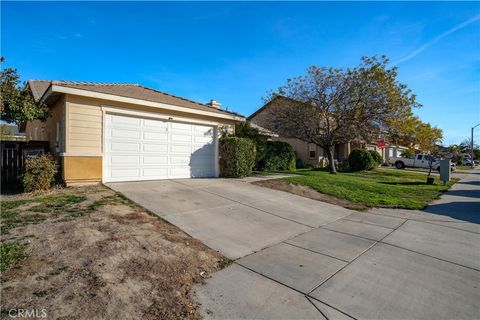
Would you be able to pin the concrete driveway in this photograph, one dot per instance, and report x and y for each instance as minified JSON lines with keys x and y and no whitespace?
{"x":304,"y":259}
{"x":231,"y":216}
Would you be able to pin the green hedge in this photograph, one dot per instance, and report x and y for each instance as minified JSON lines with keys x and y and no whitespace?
{"x":360,"y":159}
{"x":39,"y":173}
{"x":376,"y":157}
{"x":279,"y":156}
{"x":237,"y":157}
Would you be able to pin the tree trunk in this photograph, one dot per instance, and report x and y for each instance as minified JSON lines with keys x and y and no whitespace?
{"x":331,"y":162}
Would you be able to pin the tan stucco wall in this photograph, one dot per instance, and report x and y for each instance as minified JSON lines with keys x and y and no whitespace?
{"x":301,"y":149}
{"x":47,"y":131}
{"x":78,"y":170}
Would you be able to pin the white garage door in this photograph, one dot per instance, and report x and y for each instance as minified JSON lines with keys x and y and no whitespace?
{"x":149,"y":149}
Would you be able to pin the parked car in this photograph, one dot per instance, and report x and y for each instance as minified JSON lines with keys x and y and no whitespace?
{"x":418,"y":161}
{"x":468,"y":162}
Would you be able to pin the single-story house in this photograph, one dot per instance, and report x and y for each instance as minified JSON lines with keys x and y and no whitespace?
{"x":107,"y":132}
{"x":311,"y":154}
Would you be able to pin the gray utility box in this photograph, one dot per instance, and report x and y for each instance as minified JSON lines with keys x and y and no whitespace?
{"x":445,"y":170}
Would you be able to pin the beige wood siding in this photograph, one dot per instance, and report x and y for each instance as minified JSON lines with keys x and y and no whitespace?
{"x":84,"y":121}
{"x":47,"y":130}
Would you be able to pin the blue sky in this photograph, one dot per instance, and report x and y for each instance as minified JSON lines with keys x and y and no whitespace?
{"x":236,"y":52}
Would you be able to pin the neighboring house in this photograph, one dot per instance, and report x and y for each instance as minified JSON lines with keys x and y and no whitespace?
{"x":105,"y":132}
{"x":308,"y":153}
{"x":311,"y":154}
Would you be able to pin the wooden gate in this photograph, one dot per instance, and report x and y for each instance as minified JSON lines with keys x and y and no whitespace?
{"x":13,"y":158}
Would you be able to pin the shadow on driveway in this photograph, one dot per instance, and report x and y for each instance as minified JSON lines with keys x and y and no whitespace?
{"x":466,"y":211}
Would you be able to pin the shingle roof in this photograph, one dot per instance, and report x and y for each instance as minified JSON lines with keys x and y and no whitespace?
{"x":129,"y":90}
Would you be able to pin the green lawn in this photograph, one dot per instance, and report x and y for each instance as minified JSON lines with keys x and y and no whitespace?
{"x":377,"y":188}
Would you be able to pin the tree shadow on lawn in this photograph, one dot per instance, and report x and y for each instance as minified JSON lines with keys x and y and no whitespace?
{"x":410,"y":183}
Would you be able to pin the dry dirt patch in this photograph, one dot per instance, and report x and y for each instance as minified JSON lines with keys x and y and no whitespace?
{"x":305,"y":191}
{"x":98,"y":255}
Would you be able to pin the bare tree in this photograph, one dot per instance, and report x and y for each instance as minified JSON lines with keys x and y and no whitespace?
{"x":330,"y":106}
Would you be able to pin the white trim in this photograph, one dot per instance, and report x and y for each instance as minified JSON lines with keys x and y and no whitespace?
{"x":217,"y":155}
{"x":67,"y":125}
{"x":104,"y":120}
{"x":154,"y":115}
{"x":104,"y":96}
{"x":81,"y":154}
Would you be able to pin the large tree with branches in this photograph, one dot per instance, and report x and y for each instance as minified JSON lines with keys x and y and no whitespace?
{"x":16,"y":102}
{"x":329,"y":106}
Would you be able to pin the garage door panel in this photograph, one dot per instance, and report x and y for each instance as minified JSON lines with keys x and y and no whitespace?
{"x":124,"y":146}
{"x":125,"y":173}
{"x":203,"y":150}
{"x":125,"y":121}
{"x":181,"y":126}
{"x":155,"y":159}
{"x":162,"y":136}
{"x":180,"y":160}
{"x":125,"y":133}
{"x":124,"y":159}
{"x":151,"y":147}
{"x":205,"y":139}
{"x":179,"y":172}
{"x":161,"y":173}
{"x":180,"y":148}
{"x":148,"y":149}
{"x":181,"y":137}
{"x":156,"y":124}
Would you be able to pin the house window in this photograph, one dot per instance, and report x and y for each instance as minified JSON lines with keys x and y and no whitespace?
{"x":312,"y":151}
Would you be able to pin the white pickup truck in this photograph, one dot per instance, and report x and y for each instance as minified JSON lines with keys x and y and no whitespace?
{"x":417,"y":161}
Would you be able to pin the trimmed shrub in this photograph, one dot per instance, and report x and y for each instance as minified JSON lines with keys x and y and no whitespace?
{"x":360,"y":159}
{"x":279,"y":156}
{"x":237,"y":157}
{"x":261,"y":151}
{"x":39,"y":173}
{"x":376,"y":157}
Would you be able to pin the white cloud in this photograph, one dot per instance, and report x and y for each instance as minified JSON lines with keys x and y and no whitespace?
{"x":438,"y":38}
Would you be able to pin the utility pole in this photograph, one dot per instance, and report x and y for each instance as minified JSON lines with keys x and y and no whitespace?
{"x":471,"y":145}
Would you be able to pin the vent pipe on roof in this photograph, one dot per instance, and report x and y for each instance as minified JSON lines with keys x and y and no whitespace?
{"x":214,"y":104}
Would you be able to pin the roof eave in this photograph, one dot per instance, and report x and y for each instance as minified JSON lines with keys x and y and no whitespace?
{"x":112,"y":97}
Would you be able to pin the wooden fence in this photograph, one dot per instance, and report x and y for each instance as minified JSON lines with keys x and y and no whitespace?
{"x":13,"y":158}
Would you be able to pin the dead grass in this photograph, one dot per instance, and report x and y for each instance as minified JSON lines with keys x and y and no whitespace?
{"x":90,"y":253}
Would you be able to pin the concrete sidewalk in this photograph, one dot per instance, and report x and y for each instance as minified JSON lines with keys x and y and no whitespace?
{"x":383,"y":264}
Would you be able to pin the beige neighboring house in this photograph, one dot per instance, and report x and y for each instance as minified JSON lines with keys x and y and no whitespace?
{"x":309,"y":153}
{"x":108,"y":132}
